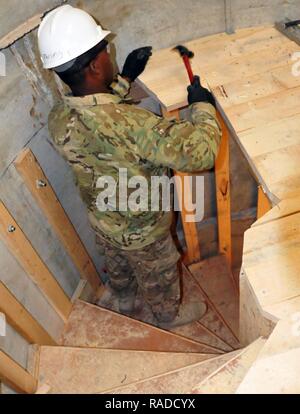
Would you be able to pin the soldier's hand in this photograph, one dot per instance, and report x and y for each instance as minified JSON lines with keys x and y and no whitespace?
{"x":136,"y":62}
{"x":197,"y":93}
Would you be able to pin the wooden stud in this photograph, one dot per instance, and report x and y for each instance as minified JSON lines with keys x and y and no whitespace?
{"x":21,"y":320}
{"x":222,"y":171}
{"x":263,"y":203}
{"x":193,"y":253}
{"x":35,"y":179}
{"x":13,"y":236}
{"x":15,"y":376}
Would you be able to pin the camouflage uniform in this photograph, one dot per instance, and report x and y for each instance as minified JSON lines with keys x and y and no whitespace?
{"x":152,"y":268}
{"x":99,"y":134}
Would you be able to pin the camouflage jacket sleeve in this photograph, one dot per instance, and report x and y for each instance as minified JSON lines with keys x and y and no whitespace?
{"x":182,"y":145}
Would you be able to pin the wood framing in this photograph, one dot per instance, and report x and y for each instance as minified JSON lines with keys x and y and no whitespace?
{"x":21,"y":320}
{"x":193,"y":253}
{"x":35,"y":179}
{"x":222,"y":171}
{"x":263,"y":203}
{"x":15,"y":376}
{"x":17,"y":242}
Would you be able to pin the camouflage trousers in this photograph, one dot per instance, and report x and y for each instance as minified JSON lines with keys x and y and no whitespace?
{"x":154,"y":269}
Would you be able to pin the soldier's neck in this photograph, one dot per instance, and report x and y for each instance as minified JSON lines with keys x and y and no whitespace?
{"x":90,"y":90}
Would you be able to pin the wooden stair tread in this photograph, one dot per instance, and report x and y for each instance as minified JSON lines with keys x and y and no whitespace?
{"x":88,"y":371}
{"x":227,"y":379}
{"x":196,"y":331}
{"x":95,"y":327}
{"x":276,"y":370}
{"x":180,"y":381}
{"x":211,"y":320}
{"x":216,"y":280}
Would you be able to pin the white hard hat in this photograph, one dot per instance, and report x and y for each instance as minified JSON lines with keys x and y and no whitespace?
{"x":66,"y":33}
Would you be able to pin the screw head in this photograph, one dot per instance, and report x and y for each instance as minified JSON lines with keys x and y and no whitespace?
{"x":41,"y":184}
{"x":11,"y":229}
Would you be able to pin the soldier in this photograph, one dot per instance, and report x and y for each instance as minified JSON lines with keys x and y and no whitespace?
{"x":99,"y":131}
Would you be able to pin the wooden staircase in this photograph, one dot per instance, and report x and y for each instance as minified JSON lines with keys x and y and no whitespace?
{"x":102,"y":351}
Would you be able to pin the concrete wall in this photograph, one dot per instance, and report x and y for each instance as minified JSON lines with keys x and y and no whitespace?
{"x":15,"y":12}
{"x":165,"y":23}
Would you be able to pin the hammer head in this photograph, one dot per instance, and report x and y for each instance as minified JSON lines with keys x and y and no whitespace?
{"x":184,"y":51}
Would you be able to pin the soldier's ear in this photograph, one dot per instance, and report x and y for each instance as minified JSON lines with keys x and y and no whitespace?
{"x":95,"y":66}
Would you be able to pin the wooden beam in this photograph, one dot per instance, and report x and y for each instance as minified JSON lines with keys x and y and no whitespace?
{"x":15,"y":376}
{"x":17,"y":242}
{"x":21,"y":320}
{"x":193,"y":253}
{"x":35,"y":179}
{"x":263,"y":203}
{"x":222,"y":171}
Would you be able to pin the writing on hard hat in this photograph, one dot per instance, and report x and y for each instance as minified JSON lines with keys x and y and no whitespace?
{"x":66,"y":33}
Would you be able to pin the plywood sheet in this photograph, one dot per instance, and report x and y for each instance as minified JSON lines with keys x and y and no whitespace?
{"x":95,"y":327}
{"x":227,"y":379}
{"x":276,"y":371}
{"x":257,"y":92}
{"x":216,"y":280}
{"x":90,"y":371}
{"x":180,"y":381}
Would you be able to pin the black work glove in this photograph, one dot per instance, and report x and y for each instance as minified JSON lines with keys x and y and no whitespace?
{"x":199,"y":94}
{"x":136,"y":62}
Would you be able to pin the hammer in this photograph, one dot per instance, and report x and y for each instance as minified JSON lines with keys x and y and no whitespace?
{"x":186,"y":55}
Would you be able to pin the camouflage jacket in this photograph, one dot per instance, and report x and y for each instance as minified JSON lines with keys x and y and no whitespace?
{"x":99,"y":134}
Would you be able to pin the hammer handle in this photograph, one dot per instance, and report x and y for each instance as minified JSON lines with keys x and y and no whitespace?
{"x":188,"y":68}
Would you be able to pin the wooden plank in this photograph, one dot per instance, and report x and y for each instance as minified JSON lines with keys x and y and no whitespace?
{"x":180,"y":381}
{"x":253,"y":322}
{"x":21,"y":320}
{"x":212,"y":322}
{"x":277,"y":374}
{"x":217,"y":282}
{"x":222,"y":171}
{"x":264,"y":111}
{"x":165,"y":77}
{"x":17,"y":242}
{"x":246,"y":53}
{"x":271,"y":263}
{"x":259,"y":86}
{"x":95,"y":327}
{"x":263,"y":203}
{"x":184,"y":191}
{"x":285,"y":208}
{"x":276,"y":369}
{"x":15,"y":376}
{"x":227,"y":378}
{"x":32,"y":174}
